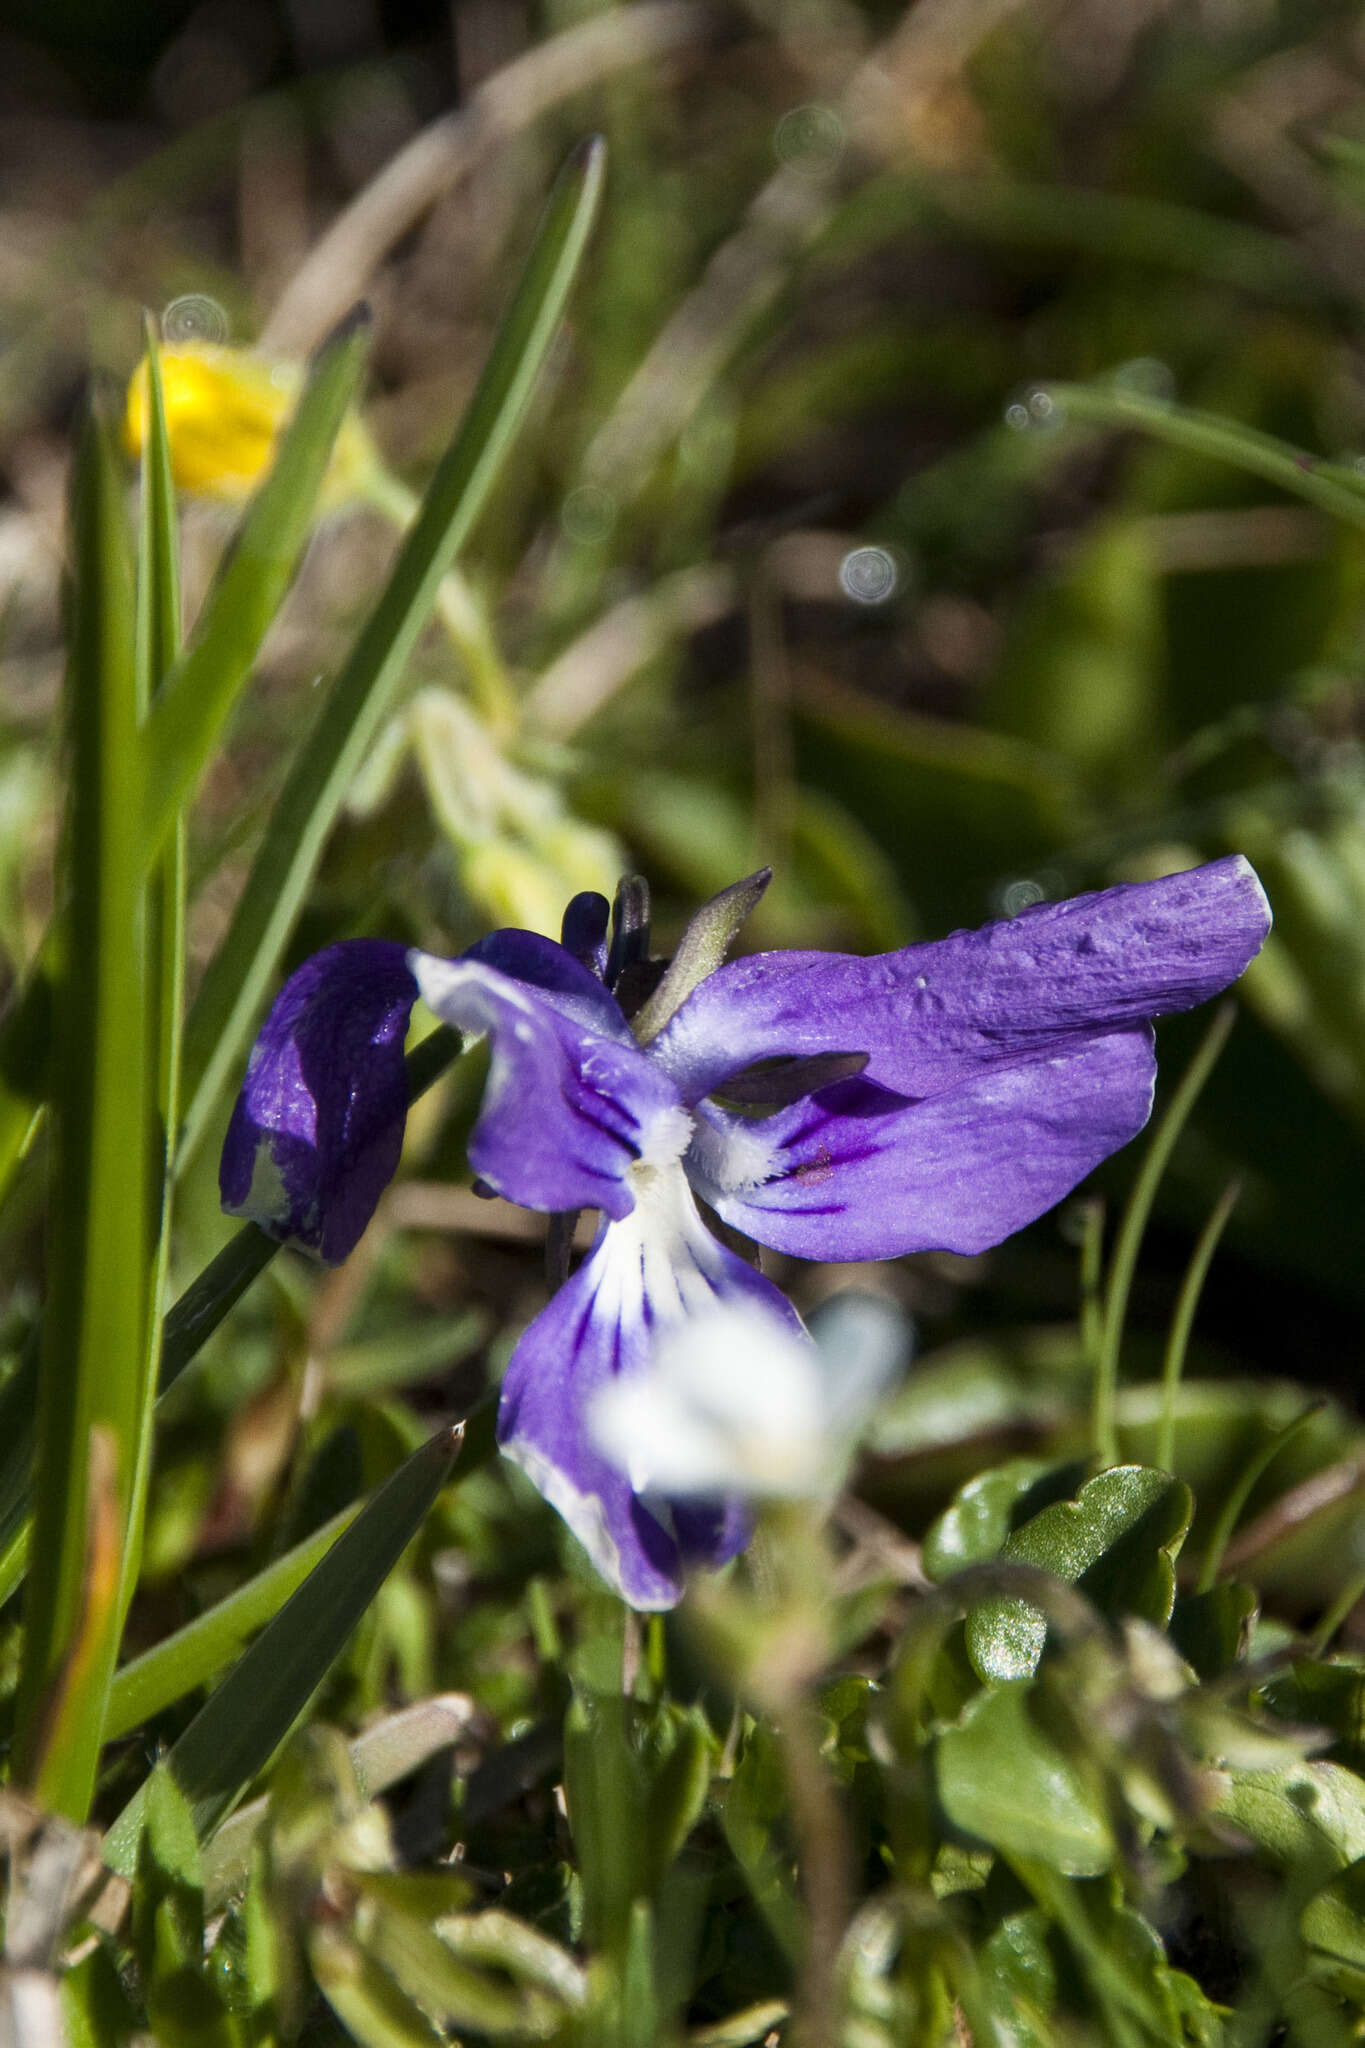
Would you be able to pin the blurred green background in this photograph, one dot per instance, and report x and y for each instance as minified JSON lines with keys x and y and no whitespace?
{"x":800,"y":560}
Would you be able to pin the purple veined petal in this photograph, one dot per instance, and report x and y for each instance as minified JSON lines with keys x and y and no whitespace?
{"x":567,"y":1112}
{"x":931,"y":1015}
{"x":317,"y":1130}
{"x":856,"y":1172}
{"x":658,"y":1265}
{"x":565,"y":983}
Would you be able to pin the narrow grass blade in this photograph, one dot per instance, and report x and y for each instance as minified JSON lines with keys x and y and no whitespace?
{"x":158,"y":630}
{"x":204,"y":685}
{"x":200,"y":1650}
{"x":18,"y":1410}
{"x":1254,"y":1470}
{"x":99,"y":1241}
{"x":186,"y":1329}
{"x":26,"y":1058}
{"x":1182,"y":1322}
{"x":158,"y":638}
{"x":1346,"y":1602}
{"x":211,"y":1296}
{"x":237,"y":977}
{"x":238,"y":1730}
{"x":1331,"y":486}
{"x":382,"y":1755}
{"x":1134,"y":1223}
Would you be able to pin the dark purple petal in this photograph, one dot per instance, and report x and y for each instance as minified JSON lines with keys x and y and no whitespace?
{"x":857,"y":1172}
{"x":317,"y":1131}
{"x":587,"y":920}
{"x":710,"y":1533}
{"x":930,"y":1016}
{"x":661,"y":1263}
{"x":567,"y":1111}
{"x":564,"y":982}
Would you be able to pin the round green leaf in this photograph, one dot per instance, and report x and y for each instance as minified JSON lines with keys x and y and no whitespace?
{"x":1117,"y":1541}
{"x":978,"y":1521}
{"x":1002,"y":1780}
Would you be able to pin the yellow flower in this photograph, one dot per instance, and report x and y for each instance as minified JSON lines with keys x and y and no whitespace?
{"x":224,"y":411}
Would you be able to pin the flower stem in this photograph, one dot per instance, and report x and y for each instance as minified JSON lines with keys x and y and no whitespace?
{"x":1134,"y":1224}
{"x":1187,"y":1301}
{"x":826,"y":1879}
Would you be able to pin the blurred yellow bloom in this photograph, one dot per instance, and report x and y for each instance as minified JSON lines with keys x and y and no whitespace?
{"x":225,"y":408}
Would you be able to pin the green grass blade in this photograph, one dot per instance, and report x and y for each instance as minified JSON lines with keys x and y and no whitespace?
{"x":185,"y":724}
{"x":185,"y":1330}
{"x":237,"y":1731}
{"x":1331,"y":486}
{"x":158,"y":641}
{"x":1182,"y":1321}
{"x":211,"y":1296}
{"x":26,"y":1058}
{"x":237,"y":977}
{"x":1255,"y":1469}
{"x":91,"y":1410}
{"x":197,"y":1652}
{"x":1134,"y":1223}
{"x":158,"y":631}
{"x":202,"y":687}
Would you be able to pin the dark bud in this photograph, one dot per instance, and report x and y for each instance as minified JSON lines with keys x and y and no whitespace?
{"x":629,"y":926}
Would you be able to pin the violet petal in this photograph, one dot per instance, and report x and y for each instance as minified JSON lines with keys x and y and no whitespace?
{"x":567,"y":1111}
{"x":659,"y":1264}
{"x":558,"y":977}
{"x":857,"y":1172}
{"x":931,"y":1015}
{"x":317,"y":1130}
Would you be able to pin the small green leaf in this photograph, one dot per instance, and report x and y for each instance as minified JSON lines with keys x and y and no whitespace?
{"x":1003,"y":1781}
{"x":1333,"y":1921}
{"x":1117,"y":1541}
{"x":1307,"y":1819}
{"x":1211,"y":1630}
{"x":364,"y":1997}
{"x":521,"y":1952}
{"x":1323,"y":1695}
{"x":978,"y":1521}
{"x":677,"y":1792}
{"x":237,"y":1731}
{"x":753,"y":1817}
{"x":703,"y":946}
{"x":380,"y":1757}
{"x":604,"y":1789}
{"x":397,"y":1932}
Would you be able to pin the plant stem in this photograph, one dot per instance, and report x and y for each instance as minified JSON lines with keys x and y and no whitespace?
{"x":1134,"y":1223}
{"x":1187,"y":1302}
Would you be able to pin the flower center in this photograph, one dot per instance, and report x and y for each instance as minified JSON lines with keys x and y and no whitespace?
{"x":666,"y":1138}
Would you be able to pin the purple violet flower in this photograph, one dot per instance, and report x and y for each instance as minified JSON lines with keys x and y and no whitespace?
{"x":937,"y":1098}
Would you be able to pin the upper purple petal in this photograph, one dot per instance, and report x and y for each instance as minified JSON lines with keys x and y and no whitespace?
{"x":930,"y":1015}
{"x":564,"y":981}
{"x":317,"y":1130}
{"x":641,"y":1274}
{"x":858,"y":1172}
{"x":567,"y":1110}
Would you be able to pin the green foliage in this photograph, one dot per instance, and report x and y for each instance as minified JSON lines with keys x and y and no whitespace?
{"x":1054,"y":1732}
